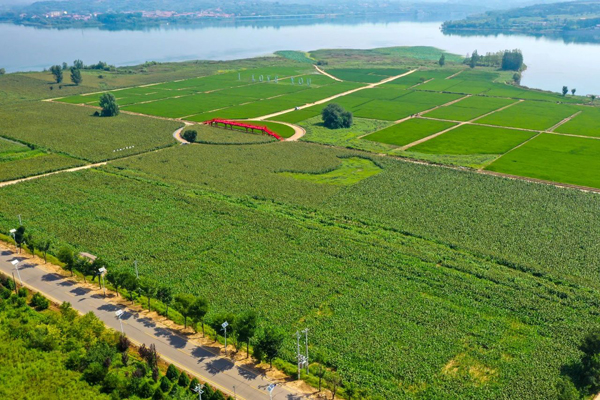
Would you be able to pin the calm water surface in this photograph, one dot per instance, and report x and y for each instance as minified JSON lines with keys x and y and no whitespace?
{"x":552,"y":63}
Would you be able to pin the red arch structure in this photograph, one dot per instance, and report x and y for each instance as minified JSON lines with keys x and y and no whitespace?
{"x":230,"y":124}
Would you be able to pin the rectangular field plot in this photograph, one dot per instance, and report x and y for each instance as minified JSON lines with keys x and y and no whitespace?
{"x":409,"y":131}
{"x":531,"y":115}
{"x":468,"y":82}
{"x":411,"y":103}
{"x":365,"y":75}
{"x":555,"y":158}
{"x":468,"y":109}
{"x":585,"y":124}
{"x":36,"y":164}
{"x":473,"y":139}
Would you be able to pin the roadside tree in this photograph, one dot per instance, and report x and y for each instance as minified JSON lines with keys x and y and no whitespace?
{"x":268,"y":344}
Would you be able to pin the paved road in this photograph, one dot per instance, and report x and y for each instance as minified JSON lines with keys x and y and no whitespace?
{"x":172,"y":347}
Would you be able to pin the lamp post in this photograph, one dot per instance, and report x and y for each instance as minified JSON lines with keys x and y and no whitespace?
{"x":305,"y":331}
{"x":119,"y":314}
{"x":102,"y":271}
{"x":16,"y":264}
{"x":225,"y":325}
{"x":270,"y":389}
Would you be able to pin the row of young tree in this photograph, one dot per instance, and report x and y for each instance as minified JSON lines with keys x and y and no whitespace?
{"x":58,"y":70}
{"x":244,"y":328}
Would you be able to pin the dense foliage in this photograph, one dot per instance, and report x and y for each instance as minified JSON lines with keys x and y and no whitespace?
{"x":74,"y":357}
{"x":108,"y":103}
{"x":335,"y":117}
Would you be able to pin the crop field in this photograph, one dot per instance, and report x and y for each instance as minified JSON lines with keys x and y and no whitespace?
{"x":403,"y":106}
{"x":352,"y":170}
{"x":586,"y":124}
{"x":280,"y":129}
{"x":299,"y":56}
{"x":74,"y":131}
{"x":555,"y":158}
{"x":473,"y":139}
{"x":467,"y":82}
{"x":464,"y":329}
{"x":365,"y":75}
{"x":530,"y":115}
{"x":409,"y":131}
{"x":33,"y":163}
{"x":470,"y":108}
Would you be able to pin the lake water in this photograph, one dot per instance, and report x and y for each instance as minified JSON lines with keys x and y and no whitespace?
{"x":552,"y":63}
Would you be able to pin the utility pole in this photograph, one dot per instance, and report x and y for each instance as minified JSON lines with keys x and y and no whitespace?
{"x":298,"y":352}
{"x":198,"y":389}
{"x":16,"y":264}
{"x":305,"y":331}
{"x":16,"y":285}
{"x":137,"y":275}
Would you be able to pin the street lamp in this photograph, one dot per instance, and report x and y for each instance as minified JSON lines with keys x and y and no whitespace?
{"x":119,"y":314}
{"x":225,"y":325}
{"x":305,"y":331}
{"x":270,"y":389}
{"x":102,"y":272}
{"x":198,"y":389}
{"x":16,"y":264}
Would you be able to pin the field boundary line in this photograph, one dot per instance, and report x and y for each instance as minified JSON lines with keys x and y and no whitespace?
{"x":30,"y":178}
{"x":425,"y":139}
{"x":456,"y":74}
{"x":564,"y":121}
{"x":509,"y":151}
{"x":420,"y":83}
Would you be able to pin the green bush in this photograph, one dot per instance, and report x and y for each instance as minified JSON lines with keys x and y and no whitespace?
{"x":165,"y":384}
{"x":335,"y":117}
{"x":23,"y":292}
{"x":190,"y":135}
{"x":94,"y":373}
{"x":39,"y":302}
{"x":184,"y":380}
{"x":172,"y":373}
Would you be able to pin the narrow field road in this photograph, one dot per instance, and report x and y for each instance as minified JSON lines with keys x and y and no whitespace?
{"x":29,"y":178}
{"x":328,"y":74}
{"x":202,"y":361}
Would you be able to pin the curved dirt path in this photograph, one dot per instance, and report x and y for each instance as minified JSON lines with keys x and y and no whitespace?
{"x":177,"y":133}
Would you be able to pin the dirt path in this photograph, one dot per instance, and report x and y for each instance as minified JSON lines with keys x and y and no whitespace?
{"x":564,"y":121}
{"x":370,"y":86}
{"x":29,"y":178}
{"x":456,"y":74}
{"x":177,"y":133}
{"x":460,"y":123}
{"x":328,"y":74}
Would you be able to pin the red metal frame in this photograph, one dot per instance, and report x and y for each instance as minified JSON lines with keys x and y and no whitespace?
{"x":230,"y":124}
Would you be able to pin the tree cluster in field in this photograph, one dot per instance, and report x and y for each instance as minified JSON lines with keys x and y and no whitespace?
{"x":100,"y":357}
{"x":108,"y":103}
{"x":190,"y":135}
{"x":335,"y":117}
{"x":508,"y":60}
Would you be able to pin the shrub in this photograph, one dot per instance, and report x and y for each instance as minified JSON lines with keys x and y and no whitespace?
{"x":2,"y":71}
{"x":335,"y":117}
{"x":195,"y":382}
{"x":23,"y":292}
{"x":94,"y":373}
{"x":109,"y":105}
{"x":39,"y":302}
{"x":190,"y":135}
{"x":184,"y":380}
{"x":165,"y":384}
{"x":145,"y":390}
{"x":172,"y":373}
{"x":566,"y":390}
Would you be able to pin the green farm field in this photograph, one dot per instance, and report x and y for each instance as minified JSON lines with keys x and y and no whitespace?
{"x":531,"y":115}
{"x":555,"y":158}
{"x":409,"y":131}
{"x":473,"y":139}
{"x":74,"y":131}
{"x":585,"y":124}
{"x":470,"y":108}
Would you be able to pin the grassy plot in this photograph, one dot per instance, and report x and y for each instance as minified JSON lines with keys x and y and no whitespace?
{"x":298,"y":56}
{"x":346,"y":137}
{"x":470,"y":108}
{"x":9,"y":147}
{"x":531,"y":115}
{"x":555,"y":158}
{"x":420,"y":77}
{"x":352,"y":170}
{"x":74,"y":131}
{"x":408,"y":131}
{"x":586,"y":124}
{"x":35,"y":163}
